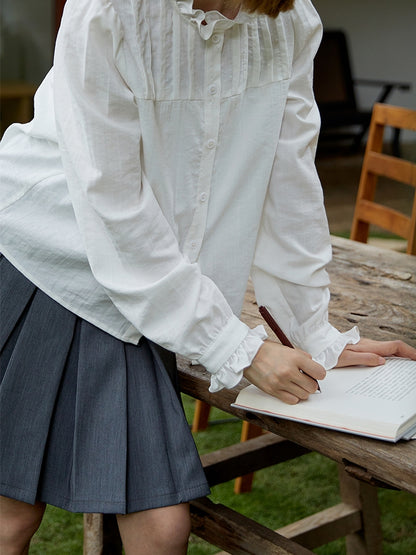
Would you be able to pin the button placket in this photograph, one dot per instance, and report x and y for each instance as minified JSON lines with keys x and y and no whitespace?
{"x":212,"y":118}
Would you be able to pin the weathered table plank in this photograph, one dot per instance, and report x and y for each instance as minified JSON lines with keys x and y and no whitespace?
{"x":394,"y":464}
{"x":375,"y":289}
{"x":372,"y":288}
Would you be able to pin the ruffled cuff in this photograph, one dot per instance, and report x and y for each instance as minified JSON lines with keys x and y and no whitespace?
{"x":329,"y":356}
{"x":231,"y":371}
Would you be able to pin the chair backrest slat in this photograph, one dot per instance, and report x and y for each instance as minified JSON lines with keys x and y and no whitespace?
{"x":395,"y":116}
{"x":385,"y":165}
{"x":385,"y":217}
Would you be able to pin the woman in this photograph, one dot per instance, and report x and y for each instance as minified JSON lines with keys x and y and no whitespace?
{"x":171,"y":154}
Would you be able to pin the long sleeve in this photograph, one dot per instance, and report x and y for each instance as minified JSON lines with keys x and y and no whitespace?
{"x":132,"y":250}
{"x":293,"y":244}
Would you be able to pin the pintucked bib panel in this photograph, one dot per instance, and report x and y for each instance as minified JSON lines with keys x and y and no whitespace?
{"x":194,"y":60}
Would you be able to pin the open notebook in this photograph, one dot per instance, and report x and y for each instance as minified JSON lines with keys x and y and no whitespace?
{"x":378,"y":402}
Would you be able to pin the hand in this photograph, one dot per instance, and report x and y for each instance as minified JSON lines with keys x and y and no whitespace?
{"x":281,"y":372}
{"x":368,"y":352}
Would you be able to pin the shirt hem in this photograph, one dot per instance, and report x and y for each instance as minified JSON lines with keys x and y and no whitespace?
{"x":131,"y":335}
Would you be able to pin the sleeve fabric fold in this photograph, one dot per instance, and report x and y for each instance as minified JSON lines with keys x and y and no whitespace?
{"x":293,"y":245}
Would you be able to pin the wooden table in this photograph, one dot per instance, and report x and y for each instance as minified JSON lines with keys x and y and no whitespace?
{"x":375,"y":289}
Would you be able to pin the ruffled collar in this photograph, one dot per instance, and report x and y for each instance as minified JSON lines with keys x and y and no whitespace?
{"x":213,"y":20}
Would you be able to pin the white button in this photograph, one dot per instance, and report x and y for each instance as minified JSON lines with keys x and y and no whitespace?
{"x":211,"y":143}
{"x":203,"y":197}
{"x":193,"y":244}
{"x":216,"y":39}
{"x":212,"y":89}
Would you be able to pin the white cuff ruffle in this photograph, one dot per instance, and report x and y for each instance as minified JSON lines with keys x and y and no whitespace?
{"x":231,"y":371}
{"x":329,"y":356}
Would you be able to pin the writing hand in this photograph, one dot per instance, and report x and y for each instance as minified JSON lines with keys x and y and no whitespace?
{"x":281,"y":372}
{"x":368,"y":352}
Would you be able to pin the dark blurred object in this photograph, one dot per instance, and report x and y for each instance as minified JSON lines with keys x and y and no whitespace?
{"x":16,"y":103}
{"x":334,"y":87}
{"x":59,"y":8}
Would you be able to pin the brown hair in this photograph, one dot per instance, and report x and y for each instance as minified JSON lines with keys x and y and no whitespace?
{"x":271,"y":8}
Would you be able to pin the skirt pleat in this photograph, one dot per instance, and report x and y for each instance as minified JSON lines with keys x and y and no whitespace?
{"x":88,"y":423}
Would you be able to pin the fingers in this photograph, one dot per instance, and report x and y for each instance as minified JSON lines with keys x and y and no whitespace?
{"x":406,"y":351}
{"x":287,"y":397}
{"x":384,"y":348}
{"x":304,"y":389}
{"x":368,"y":352}
{"x":353,"y":358}
{"x":288,"y":374}
{"x":310,"y":367}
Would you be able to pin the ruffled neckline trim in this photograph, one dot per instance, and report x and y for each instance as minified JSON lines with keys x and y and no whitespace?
{"x":214,"y":20}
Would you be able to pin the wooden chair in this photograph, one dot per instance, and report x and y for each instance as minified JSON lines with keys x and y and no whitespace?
{"x":377,"y":164}
{"x":342,"y":120}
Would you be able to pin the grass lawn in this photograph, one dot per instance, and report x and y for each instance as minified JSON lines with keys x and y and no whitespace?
{"x":281,"y":494}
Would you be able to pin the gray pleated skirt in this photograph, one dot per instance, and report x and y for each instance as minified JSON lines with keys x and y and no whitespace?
{"x":88,"y":423}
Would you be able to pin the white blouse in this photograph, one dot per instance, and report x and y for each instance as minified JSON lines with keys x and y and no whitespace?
{"x":171,"y":156}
